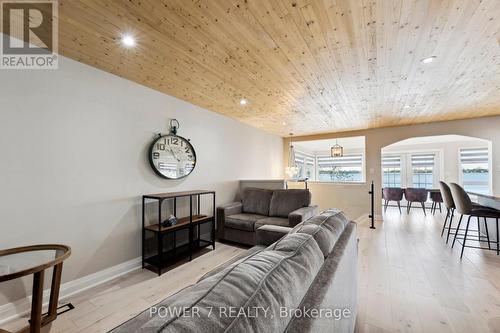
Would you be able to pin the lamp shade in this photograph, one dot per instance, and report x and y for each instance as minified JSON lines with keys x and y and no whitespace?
{"x":337,"y":151}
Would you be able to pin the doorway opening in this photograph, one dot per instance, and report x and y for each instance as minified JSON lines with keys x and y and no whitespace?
{"x":422,"y":162}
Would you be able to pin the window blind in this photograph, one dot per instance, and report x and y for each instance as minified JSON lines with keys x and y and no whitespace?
{"x":301,"y":157}
{"x":474,"y":156}
{"x":391,"y":161}
{"x":422,"y":160}
{"x":351,"y":160}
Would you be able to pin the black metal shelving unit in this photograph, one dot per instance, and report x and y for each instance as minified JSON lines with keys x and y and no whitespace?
{"x":156,"y":254}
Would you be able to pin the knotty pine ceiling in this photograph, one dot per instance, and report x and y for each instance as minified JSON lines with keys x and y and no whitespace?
{"x":305,"y":66}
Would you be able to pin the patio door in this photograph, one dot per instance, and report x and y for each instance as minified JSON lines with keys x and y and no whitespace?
{"x":419,"y":169}
{"x":422,"y":170}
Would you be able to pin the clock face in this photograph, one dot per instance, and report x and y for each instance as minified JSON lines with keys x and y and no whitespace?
{"x":172,"y":156}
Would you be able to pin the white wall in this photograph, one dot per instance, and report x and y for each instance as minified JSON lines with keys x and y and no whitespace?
{"x":73,"y":166}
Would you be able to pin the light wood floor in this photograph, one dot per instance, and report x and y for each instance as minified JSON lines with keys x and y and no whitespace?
{"x":104,"y":307}
{"x":410,"y":281}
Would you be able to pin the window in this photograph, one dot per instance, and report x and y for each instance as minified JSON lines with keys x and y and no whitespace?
{"x":309,"y":167}
{"x":348,"y":168}
{"x":474,"y":169}
{"x":391,"y":170}
{"x":314,"y":162}
{"x":422,"y":170}
{"x":305,"y":165}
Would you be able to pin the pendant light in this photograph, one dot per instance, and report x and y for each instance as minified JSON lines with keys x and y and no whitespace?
{"x":337,"y":150}
{"x":291,"y":170}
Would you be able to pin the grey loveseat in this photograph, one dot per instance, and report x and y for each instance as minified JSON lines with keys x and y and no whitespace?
{"x":238,"y":221}
{"x":304,"y":281}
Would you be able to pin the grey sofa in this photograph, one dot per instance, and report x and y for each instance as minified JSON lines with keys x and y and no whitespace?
{"x":238,"y":221}
{"x":304,"y":281}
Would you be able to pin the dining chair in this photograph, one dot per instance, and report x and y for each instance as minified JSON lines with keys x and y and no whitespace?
{"x":415,"y":195}
{"x":436,"y":199}
{"x":465,"y":206}
{"x":392,"y":194}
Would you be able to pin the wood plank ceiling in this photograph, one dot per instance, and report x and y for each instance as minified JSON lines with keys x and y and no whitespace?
{"x":305,"y":66}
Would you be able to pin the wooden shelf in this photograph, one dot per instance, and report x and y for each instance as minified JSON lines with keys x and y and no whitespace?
{"x":171,"y":195}
{"x":181,"y":223}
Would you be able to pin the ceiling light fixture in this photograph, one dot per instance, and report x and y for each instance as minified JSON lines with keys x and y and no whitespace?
{"x":243,"y":101}
{"x":428,"y":60}
{"x":128,"y":40}
{"x":406,"y":106}
{"x":283,"y":123}
{"x":291,"y":170}
{"x":337,"y":150}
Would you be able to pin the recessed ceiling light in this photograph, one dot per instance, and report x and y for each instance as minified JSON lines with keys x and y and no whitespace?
{"x":243,"y":101}
{"x":407,"y":106}
{"x":428,"y":60}
{"x":283,"y":123}
{"x":128,"y":40}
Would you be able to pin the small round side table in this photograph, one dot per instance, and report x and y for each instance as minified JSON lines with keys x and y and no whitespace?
{"x":35,"y":259}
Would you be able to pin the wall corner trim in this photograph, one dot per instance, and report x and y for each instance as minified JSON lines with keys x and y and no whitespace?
{"x":14,"y":310}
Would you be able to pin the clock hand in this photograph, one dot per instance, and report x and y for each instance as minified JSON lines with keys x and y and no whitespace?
{"x":173,"y":154}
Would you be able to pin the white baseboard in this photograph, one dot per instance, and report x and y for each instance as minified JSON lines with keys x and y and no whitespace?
{"x":14,"y":310}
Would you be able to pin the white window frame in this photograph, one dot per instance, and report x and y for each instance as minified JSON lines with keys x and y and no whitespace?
{"x":401,"y":167}
{"x":363,"y":169}
{"x":315,"y":177}
{"x":304,"y":163}
{"x":406,"y":172}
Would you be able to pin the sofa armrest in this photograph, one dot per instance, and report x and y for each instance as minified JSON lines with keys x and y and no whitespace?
{"x":268,"y":234}
{"x":226,"y":210}
{"x":302,"y":214}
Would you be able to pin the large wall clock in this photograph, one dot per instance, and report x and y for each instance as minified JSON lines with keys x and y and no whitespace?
{"x":171,"y":156}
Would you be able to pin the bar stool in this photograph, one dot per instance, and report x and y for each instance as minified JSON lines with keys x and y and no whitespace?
{"x":437,"y":199}
{"x":392,"y":194}
{"x":450,"y":208}
{"x":465,"y":207}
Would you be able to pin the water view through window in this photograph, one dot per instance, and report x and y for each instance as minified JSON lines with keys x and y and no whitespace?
{"x":314,"y":161}
{"x":474,"y":164}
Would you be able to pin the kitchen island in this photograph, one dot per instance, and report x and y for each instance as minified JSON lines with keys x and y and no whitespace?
{"x":491,"y":202}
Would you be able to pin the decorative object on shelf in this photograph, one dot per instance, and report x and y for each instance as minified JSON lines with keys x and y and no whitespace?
{"x":171,"y":156}
{"x":172,"y":220}
{"x":291,"y":170}
{"x":337,"y":150}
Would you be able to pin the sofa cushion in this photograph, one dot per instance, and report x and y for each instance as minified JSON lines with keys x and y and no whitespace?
{"x":233,"y":261}
{"x":243,"y":221}
{"x":279,"y":276}
{"x":272,"y":220}
{"x":320,"y":234}
{"x":256,"y":200}
{"x":283,"y":202}
{"x":268,"y":234}
{"x":326,"y":228}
